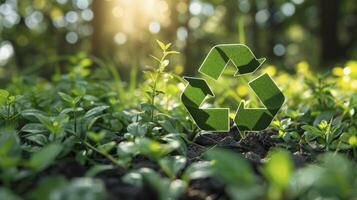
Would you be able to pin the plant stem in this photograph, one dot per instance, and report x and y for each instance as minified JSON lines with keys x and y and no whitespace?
{"x":8,"y":111}
{"x":107,"y":156}
{"x":155,"y":81}
{"x":154,"y":94}
{"x":75,"y":120}
{"x":338,"y":147}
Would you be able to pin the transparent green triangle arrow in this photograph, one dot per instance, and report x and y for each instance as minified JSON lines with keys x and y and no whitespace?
{"x":239,"y":54}
{"x":210,"y":119}
{"x":217,"y":119}
{"x":257,"y":119}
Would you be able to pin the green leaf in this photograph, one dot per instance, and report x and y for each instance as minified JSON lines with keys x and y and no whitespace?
{"x":8,"y":142}
{"x":11,"y":99}
{"x":86,"y":62}
{"x":76,"y":100}
{"x":172,"y":165}
{"x":10,"y":150}
{"x":69,"y":110}
{"x":231,"y":167}
{"x":97,"y":137}
{"x":39,"y":139}
{"x":116,"y":125}
{"x":44,"y":120}
{"x":155,"y":58}
{"x":33,"y":128}
{"x":172,"y":52}
{"x":82,"y":188}
{"x":285,"y":123}
{"x":95,"y":111}
{"x":8,"y":194}
{"x":167,"y":46}
{"x":165,"y":188}
{"x":4,"y":94}
{"x":176,"y":189}
{"x":44,"y":157}
{"x":311,"y":132}
{"x":152,"y":148}
{"x":137,"y":129}
{"x":333,"y":176}
{"x":47,"y":186}
{"x":312,"y":129}
{"x":105,"y":148}
{"x":66,"y":97}
{"x":96,"y":169}
{"x":169,"y":125}
{"x":278,"y":169}
{"x":236,"y":173}
{"x":176,"y":142}
{"x":161,"y":44}
{"x":198,"y":170}
{"x":127,"y":149}
{"x":133,"y":178}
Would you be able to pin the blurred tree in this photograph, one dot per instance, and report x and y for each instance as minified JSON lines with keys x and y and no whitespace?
{"x":331,"y":49}
{"x":190,"y":62}
{"x":43,"y":32}
{"x":102,"y":38}
{"x":38,"y":34}
{"x":332,"y":22}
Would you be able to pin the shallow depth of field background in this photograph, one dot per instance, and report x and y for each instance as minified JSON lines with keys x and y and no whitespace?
{"x":90,"y":102}
{"x":36,"y":36}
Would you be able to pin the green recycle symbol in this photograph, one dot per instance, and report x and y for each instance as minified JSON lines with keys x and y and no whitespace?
{"x":246,"y":119}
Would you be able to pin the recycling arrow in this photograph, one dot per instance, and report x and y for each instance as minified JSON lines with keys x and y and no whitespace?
{"x":210,"y":119}
{"x":239,"y":54}
{"x":257,"y":119}
{"x":217,"y":119}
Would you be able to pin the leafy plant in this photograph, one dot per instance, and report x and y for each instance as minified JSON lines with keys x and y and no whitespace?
{"x":325,"y":134}
{"x":234,"y":171}
{"x":85,"y":132}
{"x":156,"y":74}
{"x":278,"y":171}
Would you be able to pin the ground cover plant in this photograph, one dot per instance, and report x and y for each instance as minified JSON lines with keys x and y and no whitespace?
{"x":85,"y":134}
{"x":92,"y":104}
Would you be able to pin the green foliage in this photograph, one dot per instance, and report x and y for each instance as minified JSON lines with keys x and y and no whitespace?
{"x":81,"y":119}
{"x":59,"y":188}
{"x":156,"y":74}
{"x":172,"y":165}
{"x":44,"y":157}
{"x":333,"y":177}
{"x":278,"y":171}
{"x":236,"y":173}
{"x":79,"y":126}
{"x":165,"y":188}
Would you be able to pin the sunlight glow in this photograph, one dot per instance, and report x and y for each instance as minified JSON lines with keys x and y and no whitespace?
{"x":195,"y":8}
{"x":120,"y":38}
{"x":135,"y":16}
{"x":6,"y":51}
{"x":154,"y":27}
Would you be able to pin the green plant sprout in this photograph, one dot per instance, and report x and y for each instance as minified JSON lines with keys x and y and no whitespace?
{"x":73,"y":102}
{"x":7,"y":100}
{"x":156,"y":74}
